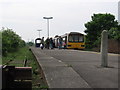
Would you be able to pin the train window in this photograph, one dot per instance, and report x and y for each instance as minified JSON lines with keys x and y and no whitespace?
{"x":38,"y":41}
{"x":76,"y":37}
{"x":71,"y":38}
{"x":81,"y":39}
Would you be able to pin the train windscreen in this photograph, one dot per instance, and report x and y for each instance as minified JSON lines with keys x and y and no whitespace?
{"x":38,"y":41}
{"x":76,"y":38}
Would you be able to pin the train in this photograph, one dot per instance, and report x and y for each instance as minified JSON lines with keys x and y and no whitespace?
{"x":37,"y":42}
{"x":72,"y":40}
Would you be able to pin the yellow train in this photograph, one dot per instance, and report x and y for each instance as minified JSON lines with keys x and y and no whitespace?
{"x":72,"y":40}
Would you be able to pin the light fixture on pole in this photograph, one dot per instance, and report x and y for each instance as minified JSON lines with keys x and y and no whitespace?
{"x":39,"y":32}
{"x":48,"y":23}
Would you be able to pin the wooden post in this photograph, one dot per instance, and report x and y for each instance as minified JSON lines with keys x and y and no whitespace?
{"x":25,"y":62}
{"x":104,"y":49}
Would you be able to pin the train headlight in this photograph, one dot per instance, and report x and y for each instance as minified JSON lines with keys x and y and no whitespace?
{"x":82,"y":45}
{"x":69,"y":45}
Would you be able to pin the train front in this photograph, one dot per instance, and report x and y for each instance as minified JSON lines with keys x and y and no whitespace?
{"x":75,"y":41}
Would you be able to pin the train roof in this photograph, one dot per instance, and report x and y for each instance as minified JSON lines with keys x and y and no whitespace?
{"x":72,"y":33}
{"x":68,"y":34}
{"x":75,"y":33}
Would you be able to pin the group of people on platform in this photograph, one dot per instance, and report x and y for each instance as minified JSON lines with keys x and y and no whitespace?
{"x":50,"y":44}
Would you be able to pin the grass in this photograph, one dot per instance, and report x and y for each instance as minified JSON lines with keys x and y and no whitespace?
{"x":17,"y":59}
{"x":21,"y":54}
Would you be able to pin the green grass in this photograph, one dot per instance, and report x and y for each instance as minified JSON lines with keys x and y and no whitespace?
{"x":21,"y":54}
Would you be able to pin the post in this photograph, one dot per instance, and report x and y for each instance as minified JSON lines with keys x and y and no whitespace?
{"x":119,"y":12}
{"x":25,"y":62}
{"x":48,"y":23}
{"x":104,"y":49}
{"x":39,"y":32}
{"x":48,"y":26}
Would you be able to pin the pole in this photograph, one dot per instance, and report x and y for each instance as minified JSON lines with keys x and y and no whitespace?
{"x":39,"y":32}
{"x":104,"y":49}
{"x":48,"y":26}
{"x":48,"y":23}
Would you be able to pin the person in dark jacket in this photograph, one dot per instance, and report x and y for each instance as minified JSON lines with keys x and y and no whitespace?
{"x":60,"y":43}
{"x":47,"y":43}
{"x":42,"y":43}
{"x":51,"y":43}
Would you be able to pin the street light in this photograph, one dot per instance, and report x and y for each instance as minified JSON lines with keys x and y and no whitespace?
{"x":39,"y":32}
{"x":48,"y":23}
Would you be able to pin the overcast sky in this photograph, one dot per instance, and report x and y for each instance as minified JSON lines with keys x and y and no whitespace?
{"x":25,"y":17}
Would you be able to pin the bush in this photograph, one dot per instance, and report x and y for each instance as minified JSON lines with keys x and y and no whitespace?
{"x":10,"y":41}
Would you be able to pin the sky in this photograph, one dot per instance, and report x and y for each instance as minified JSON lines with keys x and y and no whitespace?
{"x":25,"y":17}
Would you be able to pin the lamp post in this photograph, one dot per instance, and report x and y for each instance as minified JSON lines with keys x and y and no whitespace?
{"x":48,"y":23}
{"x":39,"y":32}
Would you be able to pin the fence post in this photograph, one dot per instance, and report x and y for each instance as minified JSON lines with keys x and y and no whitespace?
{"x":104,"y":49}
{"x":25,"y":62}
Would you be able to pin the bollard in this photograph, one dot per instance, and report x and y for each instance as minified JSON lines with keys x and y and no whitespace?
{"x":104,"y":49}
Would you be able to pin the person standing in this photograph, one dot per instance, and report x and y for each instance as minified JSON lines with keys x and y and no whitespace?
{"x":60,"y":43}
{"x":64,"y":44}
{"x":42,"y":43}
{"x":47,"y":43}
{"x":51,"y":43}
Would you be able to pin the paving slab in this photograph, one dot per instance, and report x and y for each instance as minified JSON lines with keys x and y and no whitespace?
{"x":57,"y":73}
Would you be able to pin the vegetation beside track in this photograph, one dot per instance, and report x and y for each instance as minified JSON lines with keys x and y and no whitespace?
{"x":17,"y":59}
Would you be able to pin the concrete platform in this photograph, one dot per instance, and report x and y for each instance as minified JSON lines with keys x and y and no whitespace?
{"x":57,"y":73}
{"x":77,"y":69}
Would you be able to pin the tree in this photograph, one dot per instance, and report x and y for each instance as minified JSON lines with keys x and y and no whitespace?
{"x":114,"y":33}
{"x":94,"y":28}
{"x":10,"y":41}
{"x":30,"y":43}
